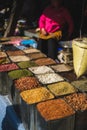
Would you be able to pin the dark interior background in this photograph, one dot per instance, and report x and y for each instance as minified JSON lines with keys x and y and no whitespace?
{"x":32,"y":10}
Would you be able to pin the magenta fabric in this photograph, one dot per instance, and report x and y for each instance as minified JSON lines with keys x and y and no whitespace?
{"x":54,"y":19}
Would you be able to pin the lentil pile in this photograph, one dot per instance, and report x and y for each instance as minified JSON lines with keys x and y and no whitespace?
{"x":8,"y":67}
{"x":61,"y":88}
{"x":3,"y":54}
{"x":41,"y":70}
{"x":36,"y":95}
{"x":54,"y":109}
{"x":26,"y":64}
{"x":31,"y":50}
{"x":81,"y":85}
{"x":49,"y":78}
{"x":16,"y":74}
{"x":15,"y":53}
{"x":78,"y":101}
{"x":19,"y":58}
{"x":26,"y":83}
{"x":62,"y":68}
{"x":45,"y":61}
{"x":33,"y":56}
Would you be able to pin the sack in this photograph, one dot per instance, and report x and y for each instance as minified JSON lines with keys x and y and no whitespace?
{"x":80,"y":56}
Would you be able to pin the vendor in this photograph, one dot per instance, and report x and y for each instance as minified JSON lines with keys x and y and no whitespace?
{"x":54,"y":23}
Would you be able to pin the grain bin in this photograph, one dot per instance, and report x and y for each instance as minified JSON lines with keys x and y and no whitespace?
{"x":20,"y":85}
{"x":78,"y":101}
{"x":55,"y":115}
{"x":29,"y":99}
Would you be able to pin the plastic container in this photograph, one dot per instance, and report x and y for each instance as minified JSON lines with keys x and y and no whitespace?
{"x":55,"y":115}
{"x":78,"y":102}
{"x":29,"y":99}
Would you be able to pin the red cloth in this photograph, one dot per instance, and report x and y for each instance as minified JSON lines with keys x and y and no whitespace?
{"x":54,"y":19}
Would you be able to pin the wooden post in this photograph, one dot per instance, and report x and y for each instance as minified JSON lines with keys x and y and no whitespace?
{"x":15,"y":13}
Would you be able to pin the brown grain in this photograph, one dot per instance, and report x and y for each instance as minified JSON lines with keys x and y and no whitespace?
{"x":78,"y":101}
{"x":26,"y":83}
{"x":54,"y":109}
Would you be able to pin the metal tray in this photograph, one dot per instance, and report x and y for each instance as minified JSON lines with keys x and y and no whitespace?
{"x":28,"y":110}
{"x":80,"y":118}
{"x":5,"y":83}
{"x":64,"y":123}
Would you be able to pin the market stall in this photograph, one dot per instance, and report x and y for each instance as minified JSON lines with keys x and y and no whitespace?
{"x":40,"y":90}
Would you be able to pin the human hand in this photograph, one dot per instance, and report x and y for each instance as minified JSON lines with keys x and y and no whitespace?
{"x":43,"y":31}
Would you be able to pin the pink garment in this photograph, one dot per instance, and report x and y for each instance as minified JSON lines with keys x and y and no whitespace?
{"x":52,"y":20}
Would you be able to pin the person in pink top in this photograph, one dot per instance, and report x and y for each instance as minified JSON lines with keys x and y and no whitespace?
{"x":54,"y":18}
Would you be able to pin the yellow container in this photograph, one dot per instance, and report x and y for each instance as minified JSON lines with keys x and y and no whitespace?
{"x":80,"y":56}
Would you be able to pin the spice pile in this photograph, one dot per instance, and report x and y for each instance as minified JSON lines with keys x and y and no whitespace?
{"x":49,"y":78}
{"x":45,"y":61}
{"x":36,"y":95}
{"x":15,"y":53}
{"x":81,"y":85}
{"x":19,"y":58}
{"x":78,"y":101}
{"x":41,"y":70}
{"x":33,"y":56}
{"x":62,"y":68}
{"x":61,"y":88}
{"x":54,"y":109}
{"x":26,"y":83}
{"x":8,"y":67}
{"x":26,"y":64}
{"x":16,"y":74}
{"x":31,"y":50}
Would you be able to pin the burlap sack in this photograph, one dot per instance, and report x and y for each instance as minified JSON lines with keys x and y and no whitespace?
{"x":80,"y":56}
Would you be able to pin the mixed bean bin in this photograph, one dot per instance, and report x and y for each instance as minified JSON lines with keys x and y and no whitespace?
{"x":46,"y":95}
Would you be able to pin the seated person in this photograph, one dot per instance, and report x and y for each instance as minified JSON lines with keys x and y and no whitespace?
{"x":52,"y":22}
